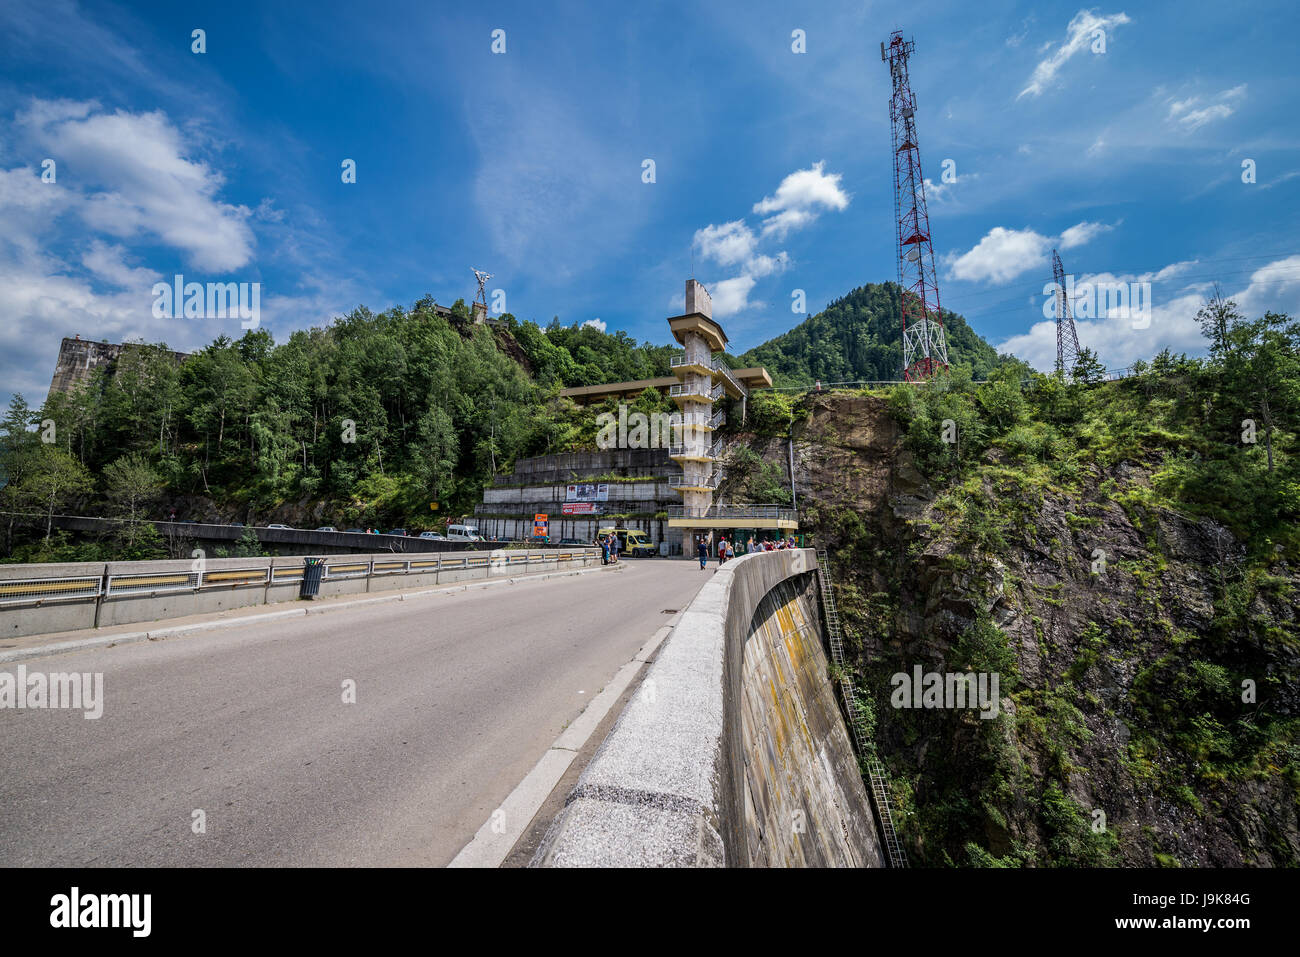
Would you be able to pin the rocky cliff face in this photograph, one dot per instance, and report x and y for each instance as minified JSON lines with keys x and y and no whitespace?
{"x":1149,"y":698}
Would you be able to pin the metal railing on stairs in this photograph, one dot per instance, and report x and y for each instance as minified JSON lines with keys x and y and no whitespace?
{"x":879,"y":783}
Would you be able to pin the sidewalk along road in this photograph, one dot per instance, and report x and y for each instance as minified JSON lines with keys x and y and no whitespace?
{"x":456,"y":698}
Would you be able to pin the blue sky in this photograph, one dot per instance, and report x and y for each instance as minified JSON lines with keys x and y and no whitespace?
{"x":772,"y":168}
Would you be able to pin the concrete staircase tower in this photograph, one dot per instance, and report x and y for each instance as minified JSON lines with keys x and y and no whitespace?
{"x":698,"y":388}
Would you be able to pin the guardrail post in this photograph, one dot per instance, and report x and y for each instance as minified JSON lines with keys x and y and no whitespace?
{"x":103,"y":593}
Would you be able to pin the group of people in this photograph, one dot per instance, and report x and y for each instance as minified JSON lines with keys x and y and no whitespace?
{"x":727,"y":550}
{"x":608,"y":548}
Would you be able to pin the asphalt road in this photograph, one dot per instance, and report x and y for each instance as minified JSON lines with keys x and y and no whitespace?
{"x":456,"y":699}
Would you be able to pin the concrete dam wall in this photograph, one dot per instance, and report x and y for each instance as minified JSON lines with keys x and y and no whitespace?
{"x":733,"y":751}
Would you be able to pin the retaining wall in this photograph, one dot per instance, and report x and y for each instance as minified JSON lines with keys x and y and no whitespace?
{"x":733,"y":751}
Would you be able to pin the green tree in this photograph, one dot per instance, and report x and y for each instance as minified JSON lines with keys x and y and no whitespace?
{"x":1088,"y":370}
{"x":54,"y":479}
{"x":131,"y":484}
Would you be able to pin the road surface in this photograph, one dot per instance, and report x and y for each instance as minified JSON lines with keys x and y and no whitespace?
{"x":456,"y":698}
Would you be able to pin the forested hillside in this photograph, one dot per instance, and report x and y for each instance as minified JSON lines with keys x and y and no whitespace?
{"x":362,"y":422}
{"x":859,"y":338}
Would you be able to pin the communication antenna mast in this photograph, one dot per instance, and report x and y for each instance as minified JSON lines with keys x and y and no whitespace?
{"x":925,"y":347}
{"x":1067,"y":338}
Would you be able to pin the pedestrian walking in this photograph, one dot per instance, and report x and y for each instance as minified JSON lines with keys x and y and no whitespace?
{"x":703,"y":551}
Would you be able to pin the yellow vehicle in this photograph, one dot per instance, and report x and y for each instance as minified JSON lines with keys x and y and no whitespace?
{"x":631,"y":541}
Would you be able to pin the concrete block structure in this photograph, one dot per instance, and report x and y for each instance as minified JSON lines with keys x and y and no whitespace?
{"x":79,"y":358}
{"x":638,"y":487}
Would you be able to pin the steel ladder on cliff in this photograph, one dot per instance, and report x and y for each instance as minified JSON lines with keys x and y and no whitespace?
{"x":879,"y":783}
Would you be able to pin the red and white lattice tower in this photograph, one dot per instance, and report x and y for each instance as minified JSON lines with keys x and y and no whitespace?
{"x":925,"y":348}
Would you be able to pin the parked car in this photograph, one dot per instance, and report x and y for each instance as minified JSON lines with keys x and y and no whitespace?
{"x":357,"y":531}
{"x":235,"y":525}
{"x":398,"y":531}
{"x":573,"y":541}
{"x":286,"y":527}
{"x":433,"y":537}
{"x":327,"y":528}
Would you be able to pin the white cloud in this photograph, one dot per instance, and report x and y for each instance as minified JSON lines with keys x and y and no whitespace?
{"x":1078,"y":37}
{"x":1188,"y":119}
{"x":731,"y":295}
{"x":597,"y":324}
{"x":728,"y":244}
{"x":1082,"y":233}
{"x":108,"y":262}
{"x":59,"y":278}
{"x":799,"y":199}
{"x":147,"y":184}
{"x":28,"y":206}
{"x":1173,"y":324}
{"x":1003,"y":254}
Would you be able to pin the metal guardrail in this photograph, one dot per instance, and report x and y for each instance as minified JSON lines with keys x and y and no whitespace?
{"x":879,"y":782}
{"x":152,"y":583}
{"x":37,"y":591}
{"x":49,"y":589}
{"x":722,"y":367}
{"x":733,"y":511}
{"x":703,"y":393}
{"x":1111,"y":375}
{"x":696,"y":450}
{"x":681,"y":359}
{"x":692,"y":421}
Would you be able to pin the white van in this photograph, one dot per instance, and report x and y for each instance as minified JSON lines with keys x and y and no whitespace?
{"x":463,"y":533}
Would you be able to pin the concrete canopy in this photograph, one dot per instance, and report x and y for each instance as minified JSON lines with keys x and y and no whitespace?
{"x":698,"y":322}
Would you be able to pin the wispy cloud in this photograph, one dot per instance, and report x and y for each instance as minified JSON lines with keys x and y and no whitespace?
{"x":1189,"y":115}
{"x":1079,"y":36}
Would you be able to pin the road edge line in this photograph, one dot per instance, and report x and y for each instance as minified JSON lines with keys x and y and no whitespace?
{"x":488,"y":848}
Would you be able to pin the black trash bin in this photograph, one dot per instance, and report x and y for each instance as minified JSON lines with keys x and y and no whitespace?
{"x":312,"y":572}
